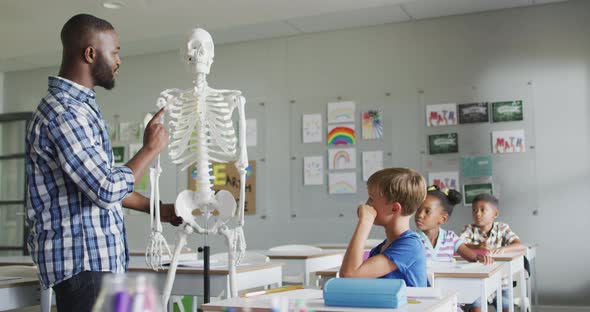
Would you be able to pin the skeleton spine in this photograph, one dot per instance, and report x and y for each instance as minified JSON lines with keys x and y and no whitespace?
{"x":203,"y":164}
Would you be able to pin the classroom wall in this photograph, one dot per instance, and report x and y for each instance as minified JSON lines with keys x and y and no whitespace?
{"x":542,"y":53}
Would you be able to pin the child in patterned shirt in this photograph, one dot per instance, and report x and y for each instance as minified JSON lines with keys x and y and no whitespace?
{"x":486,"y":233}
{"x":440,"y":244}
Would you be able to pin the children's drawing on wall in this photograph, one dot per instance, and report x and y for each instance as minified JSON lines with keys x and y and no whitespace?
{"x":251,"y":132}
{"x":509,"y":141}
{"x":443,"y":143}
{"x":372,"y":162}
{"x":507,"y":111}
{"x":119,"y":155}
{"x":312,"y":128}
{"x":129,"y":131}
{"x":444,"y":180}
{"x":476,"y":166}
{"x":473,"y":112}
{"x":342,"y":183}
{"x":472,"y":190}
{"x":341,"y":112}
{"x":341,"y":134}
{"x":372,"y":124}
{"x":313,"y":170}
{"x":142,"y":185}
{"x":342,"y":158}
{"x":438,"y":115}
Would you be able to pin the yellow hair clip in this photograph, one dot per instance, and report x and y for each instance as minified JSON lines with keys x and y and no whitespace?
{"x":434,"y":188}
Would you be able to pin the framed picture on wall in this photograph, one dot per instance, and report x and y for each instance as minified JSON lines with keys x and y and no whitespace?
{"x":119,"y":154}
{"x":443,"y":143}
{"x":448,"y":180}
{"x":473,"y":113}
{"x":472,"y":190}
{"x":438,"y":115}
{"x":507,"y":111}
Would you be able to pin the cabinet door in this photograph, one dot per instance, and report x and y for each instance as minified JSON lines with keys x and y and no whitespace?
{"x":12,"y":186}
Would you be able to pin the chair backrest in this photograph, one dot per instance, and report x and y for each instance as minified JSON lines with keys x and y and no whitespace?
{"x":302,"y":248}
{"x":249,"y":257}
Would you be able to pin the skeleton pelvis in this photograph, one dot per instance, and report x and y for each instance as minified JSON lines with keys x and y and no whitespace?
{"x":191,"y":204}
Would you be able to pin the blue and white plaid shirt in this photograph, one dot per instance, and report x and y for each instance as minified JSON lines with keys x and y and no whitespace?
{"x":74,"y":191}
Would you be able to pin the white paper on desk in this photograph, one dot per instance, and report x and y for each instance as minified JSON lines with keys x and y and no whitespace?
{"x":8,"y":278}
{"x":423,"y":292}
{"x":470,"y":265}
{"x":454,"y":265}
{"x":440,"y":264}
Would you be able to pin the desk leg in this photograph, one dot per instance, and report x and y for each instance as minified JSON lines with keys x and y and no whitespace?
{"x":510,"y":291}
{"x":46,"y":295}
{"x":484,"y":297}
{"x":499,"y":298}
{"x":523,"y":291}
{"x":534,"y":291}
{"x":529,"y":293}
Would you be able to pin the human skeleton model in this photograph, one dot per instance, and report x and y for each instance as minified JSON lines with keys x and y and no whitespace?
{"x":201,"y":131}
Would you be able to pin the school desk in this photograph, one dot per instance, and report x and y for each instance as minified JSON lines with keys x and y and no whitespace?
{"x":470,"y":280}
{"x":515,"y":261}
{"x":19,"y":293}
{"x":189,"y":280}
{"x":45,"y":295}
{"x":306,"y":262}
{"x":314,"y":301}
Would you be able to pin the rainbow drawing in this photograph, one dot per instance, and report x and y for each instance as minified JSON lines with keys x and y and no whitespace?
{"x":341,"y":112}
{"x":342,"y":158}
{"x":342,"y":188}
{"x":342,"y":183}
{"x":341,"y":134}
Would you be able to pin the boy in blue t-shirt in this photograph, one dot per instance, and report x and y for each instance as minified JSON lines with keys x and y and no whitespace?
{"x":394,"y":195}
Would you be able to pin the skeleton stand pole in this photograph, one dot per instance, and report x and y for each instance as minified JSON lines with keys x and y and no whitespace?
{"x":206,"y":278}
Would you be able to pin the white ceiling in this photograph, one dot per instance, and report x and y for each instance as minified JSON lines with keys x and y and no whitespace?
{"x":29,"y":29}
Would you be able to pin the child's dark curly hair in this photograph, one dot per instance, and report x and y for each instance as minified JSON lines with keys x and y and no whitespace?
{"x":448,"y":199}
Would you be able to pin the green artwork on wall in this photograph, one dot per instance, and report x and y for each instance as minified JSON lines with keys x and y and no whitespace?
{"x":119,"y":154}
{"x":507,"y":111}
{"x":476,"y":166}
{"x":443,"y":143}
{"x":472,"y":190}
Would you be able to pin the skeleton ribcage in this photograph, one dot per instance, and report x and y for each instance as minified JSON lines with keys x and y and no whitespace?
{"x":215,"y":135}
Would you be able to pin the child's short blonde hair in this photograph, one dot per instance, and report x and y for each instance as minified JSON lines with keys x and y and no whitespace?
{"x":402,"y":185}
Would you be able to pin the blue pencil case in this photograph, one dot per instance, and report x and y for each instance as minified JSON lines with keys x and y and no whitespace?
{"x":365,"y":292}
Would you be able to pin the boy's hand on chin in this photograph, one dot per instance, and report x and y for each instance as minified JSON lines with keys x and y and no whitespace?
{"x":366,"y":213}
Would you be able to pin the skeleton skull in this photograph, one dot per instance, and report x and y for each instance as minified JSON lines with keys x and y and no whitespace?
{"x":199,"y":51}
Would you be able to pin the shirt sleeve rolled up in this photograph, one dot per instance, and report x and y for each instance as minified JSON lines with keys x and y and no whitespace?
{"x":84,"y":160}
